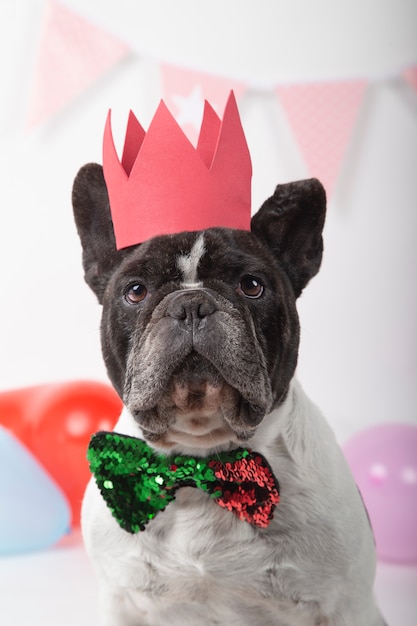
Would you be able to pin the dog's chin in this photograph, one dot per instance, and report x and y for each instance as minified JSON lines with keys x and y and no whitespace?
{"x":197,"y":410}
{"x":207,"y":423}
{"x":195,"y":433}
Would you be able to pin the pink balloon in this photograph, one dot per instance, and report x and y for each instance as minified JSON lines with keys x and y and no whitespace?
{"x":383,"y":460}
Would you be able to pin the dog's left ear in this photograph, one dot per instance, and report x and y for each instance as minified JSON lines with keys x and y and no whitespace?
{"x":290,"y":223}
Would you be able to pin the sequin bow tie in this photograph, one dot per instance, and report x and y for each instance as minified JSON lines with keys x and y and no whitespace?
{"x":137,"y":483}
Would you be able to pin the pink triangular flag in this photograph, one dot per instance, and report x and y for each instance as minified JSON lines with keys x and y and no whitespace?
{"x":322,"y":116}
{"x":410,"y":76}
{"x":184,"y":92}
{"x":72,"y":54}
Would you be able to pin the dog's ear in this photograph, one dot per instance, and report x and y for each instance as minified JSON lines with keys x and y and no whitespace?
{"x":290,"y":223}
{"x":90,"y":202}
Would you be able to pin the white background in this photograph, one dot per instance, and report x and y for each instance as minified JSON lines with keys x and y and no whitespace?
{"x":358,"y":354}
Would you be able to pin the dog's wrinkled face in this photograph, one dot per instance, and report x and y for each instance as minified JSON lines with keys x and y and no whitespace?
{"x":205,"y":330}
{"x":200,"y":330}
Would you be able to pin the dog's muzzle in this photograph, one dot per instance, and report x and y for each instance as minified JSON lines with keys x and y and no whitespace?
{"x":198,"y":357}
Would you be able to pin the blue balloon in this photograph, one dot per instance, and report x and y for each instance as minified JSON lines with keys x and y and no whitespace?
{"x":34,"y":513}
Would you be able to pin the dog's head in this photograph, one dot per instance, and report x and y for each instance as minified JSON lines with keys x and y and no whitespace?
{"x":200,"y":330}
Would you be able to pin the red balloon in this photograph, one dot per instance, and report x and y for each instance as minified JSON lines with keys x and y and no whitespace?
{"x":56,"y":422}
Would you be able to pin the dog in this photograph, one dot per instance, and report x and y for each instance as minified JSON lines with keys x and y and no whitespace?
{"x":200,"y":337}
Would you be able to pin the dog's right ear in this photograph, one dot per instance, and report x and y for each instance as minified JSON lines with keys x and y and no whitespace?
{"x":91,"y":206}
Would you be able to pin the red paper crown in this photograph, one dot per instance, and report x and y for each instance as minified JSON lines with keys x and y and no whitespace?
{"x":164,"y":185}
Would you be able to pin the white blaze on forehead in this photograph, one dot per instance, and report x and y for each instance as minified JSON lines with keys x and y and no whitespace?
{"x":188,"y":263}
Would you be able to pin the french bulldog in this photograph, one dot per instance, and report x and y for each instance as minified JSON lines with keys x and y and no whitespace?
{"x":200,"y":337}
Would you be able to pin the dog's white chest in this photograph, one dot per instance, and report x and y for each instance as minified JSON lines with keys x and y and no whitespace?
{"x":225,"y":569}
{"x":197,"y":564}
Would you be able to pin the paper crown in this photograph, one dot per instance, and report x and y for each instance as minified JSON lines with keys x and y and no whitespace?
{"x":164,"y":185}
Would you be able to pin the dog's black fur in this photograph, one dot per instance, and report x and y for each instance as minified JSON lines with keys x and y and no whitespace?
{"x":283,"y":249}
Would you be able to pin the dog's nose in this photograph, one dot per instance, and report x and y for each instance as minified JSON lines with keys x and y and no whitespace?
{"x":192,"y":305}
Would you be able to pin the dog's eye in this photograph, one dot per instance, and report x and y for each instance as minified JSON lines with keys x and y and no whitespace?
{"x":135,"y":293}
{"x":250,"y":287}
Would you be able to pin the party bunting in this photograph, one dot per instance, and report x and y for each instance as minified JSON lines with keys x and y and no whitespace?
{"x":73,"y":53}
{"x":410,"y":75}
{"x":184,"y":92}
{"x":322,"y":116}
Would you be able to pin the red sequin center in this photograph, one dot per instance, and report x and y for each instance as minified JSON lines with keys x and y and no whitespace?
{"x":248,"y":489}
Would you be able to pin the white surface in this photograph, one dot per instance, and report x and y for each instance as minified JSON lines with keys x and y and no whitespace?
{"x":51,"y":588}
{"x":357,"y":359}
{"x":57,"y":587}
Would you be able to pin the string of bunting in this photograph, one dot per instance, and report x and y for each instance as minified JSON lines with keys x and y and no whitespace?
{"x":74,"y":53}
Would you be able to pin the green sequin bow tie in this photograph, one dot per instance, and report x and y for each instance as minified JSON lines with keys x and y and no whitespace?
{"x":137,"y":483}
